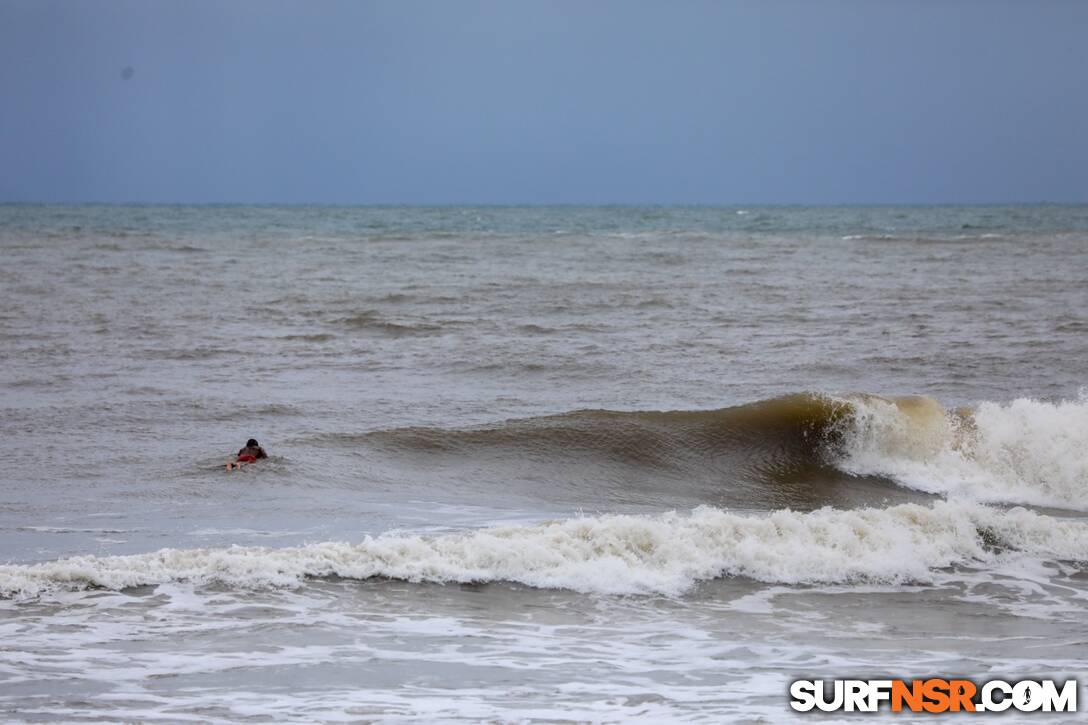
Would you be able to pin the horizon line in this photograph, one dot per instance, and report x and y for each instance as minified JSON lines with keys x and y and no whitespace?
{"x":521,"y":205}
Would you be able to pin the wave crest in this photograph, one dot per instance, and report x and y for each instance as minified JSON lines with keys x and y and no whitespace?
{"x":618,"y":554}
{"x":1025,"y":451}
{"x":797,"y":451}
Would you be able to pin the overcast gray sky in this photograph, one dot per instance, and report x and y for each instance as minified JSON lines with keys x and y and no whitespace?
{"x":543,"y":102}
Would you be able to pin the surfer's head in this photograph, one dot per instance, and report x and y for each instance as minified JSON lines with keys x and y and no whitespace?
{"x":252,"y":443}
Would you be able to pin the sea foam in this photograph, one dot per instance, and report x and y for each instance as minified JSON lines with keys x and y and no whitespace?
{"x":1025,"y":451}
{"x":616,"y":554}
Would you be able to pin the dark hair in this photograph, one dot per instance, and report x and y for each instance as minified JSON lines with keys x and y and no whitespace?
{"x":252,"y":443}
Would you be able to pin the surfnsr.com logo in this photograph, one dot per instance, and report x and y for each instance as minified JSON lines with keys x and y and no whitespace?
{"x":933,"y":695}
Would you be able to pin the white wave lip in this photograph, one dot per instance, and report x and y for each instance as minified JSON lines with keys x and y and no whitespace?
{"x":1025,"y":451}
{"x":619,"y":554}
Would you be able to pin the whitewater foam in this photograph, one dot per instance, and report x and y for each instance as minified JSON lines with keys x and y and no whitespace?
{"x":1025,"y":451}
{"x":617,"y":554}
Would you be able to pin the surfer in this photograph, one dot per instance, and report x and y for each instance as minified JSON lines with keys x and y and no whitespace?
{"x":249,"y":454}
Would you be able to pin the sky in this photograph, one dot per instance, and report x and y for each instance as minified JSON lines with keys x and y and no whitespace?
{"x":527,"y":101}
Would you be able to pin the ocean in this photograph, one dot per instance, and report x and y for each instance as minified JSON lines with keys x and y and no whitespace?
{"x":599,"y":464}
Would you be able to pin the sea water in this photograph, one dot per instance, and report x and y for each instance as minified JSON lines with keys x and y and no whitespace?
{"x":564,"y":463}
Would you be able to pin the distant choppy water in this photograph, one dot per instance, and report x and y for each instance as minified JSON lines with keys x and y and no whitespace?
{"x":562,"y":463}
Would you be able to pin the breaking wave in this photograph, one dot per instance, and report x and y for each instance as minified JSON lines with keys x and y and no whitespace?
{"x":1025,"y":451}
{"x":772,"y":455}
{"x":795,"y":450}
{"x":618,"y":554}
